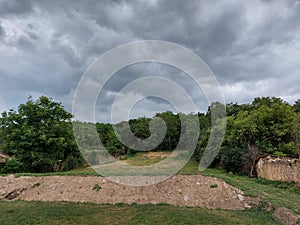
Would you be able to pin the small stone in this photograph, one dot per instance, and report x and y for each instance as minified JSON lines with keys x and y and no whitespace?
{"x":186,"y":198}
{"x":247,"y":206}
{"x":239,"y":191}
{"x":240,"y":197}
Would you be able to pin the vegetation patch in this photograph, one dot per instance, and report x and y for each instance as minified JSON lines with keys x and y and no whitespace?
{"x":37,"y":184}
{"x":97,"y":187}
{"x":213,"y":186}
{"x":17,"y":212}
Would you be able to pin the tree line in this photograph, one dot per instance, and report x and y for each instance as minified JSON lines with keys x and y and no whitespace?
{"x":39,"y":135}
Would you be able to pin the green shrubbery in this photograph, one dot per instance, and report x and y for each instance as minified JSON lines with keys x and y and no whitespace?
{"x":11,"y":166}
{"x":232,"y":159}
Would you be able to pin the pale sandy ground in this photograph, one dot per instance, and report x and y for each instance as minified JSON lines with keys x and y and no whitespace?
{"x":180,"y":190}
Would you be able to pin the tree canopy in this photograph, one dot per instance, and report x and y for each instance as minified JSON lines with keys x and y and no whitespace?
{"x":38,"y":134}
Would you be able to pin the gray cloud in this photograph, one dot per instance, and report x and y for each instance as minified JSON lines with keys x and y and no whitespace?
{"x":2,"y":32}
{"x":252,"y":47}
{"x":15,"y":7}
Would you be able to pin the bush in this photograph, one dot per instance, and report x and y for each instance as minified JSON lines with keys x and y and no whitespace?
{"x":232,"y":159}
{"x":12,"y":166}
{"x":70,"y":163}
{"x":279,"y":154}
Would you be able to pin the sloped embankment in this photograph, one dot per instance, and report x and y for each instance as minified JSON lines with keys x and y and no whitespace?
{"x":181,"y":190}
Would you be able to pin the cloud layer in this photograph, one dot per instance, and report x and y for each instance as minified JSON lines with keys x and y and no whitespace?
{"x":252,"y":47}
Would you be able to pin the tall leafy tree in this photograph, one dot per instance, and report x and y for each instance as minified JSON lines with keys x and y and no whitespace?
{"x":38,"y":134}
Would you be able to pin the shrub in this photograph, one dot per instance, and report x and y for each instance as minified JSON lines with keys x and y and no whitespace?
{"x":96,"y":187}
{"x":70,"y":163}
{"x":12,"y":166}
{"x":232,"y":159}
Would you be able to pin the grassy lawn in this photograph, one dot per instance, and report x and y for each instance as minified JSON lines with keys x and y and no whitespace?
{"x":86,"y":171}
{"x":146,"y":159}
{"x":19,"y":212}
{"x":278,"y":193}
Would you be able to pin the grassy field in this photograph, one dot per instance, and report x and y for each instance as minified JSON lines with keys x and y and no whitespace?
{"x":279,"y":193}
{"x":146,"y":159}
{"x":19,"y":212}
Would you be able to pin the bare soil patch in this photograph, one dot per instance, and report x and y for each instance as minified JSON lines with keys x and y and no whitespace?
{"x":157,"y":154}
{"x":180,"y":190}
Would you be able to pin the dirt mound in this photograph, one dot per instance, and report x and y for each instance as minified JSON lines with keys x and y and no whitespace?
{"x":181,"y":190}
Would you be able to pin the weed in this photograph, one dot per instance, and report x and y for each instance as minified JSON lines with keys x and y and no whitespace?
{"x":213,"y":186}
{"x":37,"y":184}
{"x":97,"y":187}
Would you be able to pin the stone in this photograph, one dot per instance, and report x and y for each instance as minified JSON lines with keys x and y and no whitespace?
{"x":247,"y":206}
{"x":240,"y":197}
{"x":286,"y":216}
{"x":186,"y":198}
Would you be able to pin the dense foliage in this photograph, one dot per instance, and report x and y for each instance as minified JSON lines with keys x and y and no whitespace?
{"x":266,"y":126}
{"x":39,"y":134}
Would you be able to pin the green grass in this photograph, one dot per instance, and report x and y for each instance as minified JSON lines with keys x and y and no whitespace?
{"x":141,"y":159}
{"x":278,"y":193}
{"x":86,"y":171}
{"x":20,"y":212}
{"x":191,"y":168}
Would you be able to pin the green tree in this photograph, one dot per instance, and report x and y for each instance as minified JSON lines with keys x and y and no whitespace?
{"x":296,"y":106}
{"x":38,"y":134}
{"x":296,"y":133}
{"x":267,"y":126}
{"x":173,"y":124}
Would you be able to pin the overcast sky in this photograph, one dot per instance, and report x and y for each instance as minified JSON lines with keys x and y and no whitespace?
{"x":252,"y":47}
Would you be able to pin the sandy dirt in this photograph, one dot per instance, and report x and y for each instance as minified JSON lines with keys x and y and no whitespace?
{"x":180,"y":190}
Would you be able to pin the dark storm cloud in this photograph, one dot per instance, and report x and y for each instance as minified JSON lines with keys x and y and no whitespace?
{"x":1,"y":31}
{"x":250,"y":46}
{"x":15,"y":7}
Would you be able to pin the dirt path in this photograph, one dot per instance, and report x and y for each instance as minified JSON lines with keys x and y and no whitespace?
{"x":181,"y":190}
